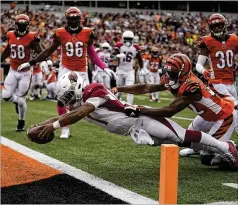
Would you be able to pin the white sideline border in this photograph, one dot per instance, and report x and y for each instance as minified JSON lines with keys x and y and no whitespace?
{"x":105,"y":186}
{"x":232,"y":185}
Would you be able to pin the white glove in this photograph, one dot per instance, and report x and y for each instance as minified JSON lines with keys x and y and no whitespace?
{"x":23,"y":66}
{"x":110,"y":72}
{"x":121,"y":55}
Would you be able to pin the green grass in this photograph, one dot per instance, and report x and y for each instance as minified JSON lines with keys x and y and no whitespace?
{"x":117,"y":159}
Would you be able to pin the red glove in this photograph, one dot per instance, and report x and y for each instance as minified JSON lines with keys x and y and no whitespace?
{"x":206,"y":74}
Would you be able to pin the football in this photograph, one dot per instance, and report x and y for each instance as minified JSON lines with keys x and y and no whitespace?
{"x":33,"y":133}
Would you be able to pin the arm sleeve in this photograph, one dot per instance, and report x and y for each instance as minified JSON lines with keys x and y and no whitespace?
{"x":200,"y":63}
{"x":94,"y":57}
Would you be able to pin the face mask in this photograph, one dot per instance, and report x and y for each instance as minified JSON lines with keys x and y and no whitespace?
{"x":128,"y":44}
{"x":173,"y":84}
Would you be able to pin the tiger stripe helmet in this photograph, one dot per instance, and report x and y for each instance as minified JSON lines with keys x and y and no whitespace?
{"x":177,"y":68}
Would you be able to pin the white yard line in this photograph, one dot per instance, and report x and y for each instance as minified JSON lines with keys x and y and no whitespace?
{"x":108,"y":187}
{"x":233,"y":185}
{"x":183,"y":118}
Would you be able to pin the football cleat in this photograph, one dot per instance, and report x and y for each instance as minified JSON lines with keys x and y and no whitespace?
{"x":65,"y":133}
{"x":20,"y":126}
{"x":188,"y":152}
{"x":232,"y":156}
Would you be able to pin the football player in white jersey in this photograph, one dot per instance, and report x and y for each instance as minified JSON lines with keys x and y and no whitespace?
{"x":128,"y":51}
{"x":101,"y":76}
{"x":98,"y":105}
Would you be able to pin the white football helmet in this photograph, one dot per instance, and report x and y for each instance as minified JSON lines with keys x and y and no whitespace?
{"x":50,"y":63}
{"x":127,"y":38}
{"x":69,"y":89}
{"x":106,"y":47}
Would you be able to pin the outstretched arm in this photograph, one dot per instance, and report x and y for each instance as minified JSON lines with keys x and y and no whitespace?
{"x":176,"y":106}
{"x":139,"y":88}
{"x":66,"y":119}
{"x":37,"y":47}
{"x":45,"y":53}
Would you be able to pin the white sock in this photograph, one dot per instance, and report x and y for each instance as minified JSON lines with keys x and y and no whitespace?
{"x":22,"y":111}
{"x":210,"y":143}
{"x":157,"y":95}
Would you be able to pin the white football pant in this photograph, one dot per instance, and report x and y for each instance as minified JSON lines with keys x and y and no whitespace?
{"x":125,"y":79}
{"x":16,"y":86}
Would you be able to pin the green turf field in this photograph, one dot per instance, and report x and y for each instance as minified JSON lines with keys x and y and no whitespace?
{"x":117,"y":159}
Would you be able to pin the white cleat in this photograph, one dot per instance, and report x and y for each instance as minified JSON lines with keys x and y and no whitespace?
{"x":188,"y":152}
{"x":65,"y":133}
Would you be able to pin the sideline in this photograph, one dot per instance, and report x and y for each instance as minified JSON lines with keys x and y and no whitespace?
{"x":108,"y":187}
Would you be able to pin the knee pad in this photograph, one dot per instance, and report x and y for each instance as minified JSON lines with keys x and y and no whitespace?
{"x":207,"y":159}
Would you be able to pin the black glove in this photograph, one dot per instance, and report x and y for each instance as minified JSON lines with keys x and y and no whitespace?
{"x":132,"y":110}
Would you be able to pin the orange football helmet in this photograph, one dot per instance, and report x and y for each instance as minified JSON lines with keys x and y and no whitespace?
{"x":22,"y":22}
{"x":177,"y":68}
{"x":217,"y":24}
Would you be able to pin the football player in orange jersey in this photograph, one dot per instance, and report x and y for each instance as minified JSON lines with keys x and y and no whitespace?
{"x":143,"y":72}
{"x":76,"y":44}
{"x":37,"y":82}
{"x":216,"y":116}
{"x":154,"y":66}
{"x":219,"y":49}
{"x":20,"y":44}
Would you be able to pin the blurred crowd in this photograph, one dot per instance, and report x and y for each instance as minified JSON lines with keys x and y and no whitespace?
{"x":169,"y":32}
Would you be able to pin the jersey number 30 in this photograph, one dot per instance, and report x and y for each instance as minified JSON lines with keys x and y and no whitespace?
{"x":74,"y":49}
{"x":225,"y":59}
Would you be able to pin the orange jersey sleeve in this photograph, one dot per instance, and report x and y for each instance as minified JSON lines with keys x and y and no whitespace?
{"x":221,"y":57}
{"x":74,"y":48}
{"x":20,"y":48}
{"x":211,"y":107}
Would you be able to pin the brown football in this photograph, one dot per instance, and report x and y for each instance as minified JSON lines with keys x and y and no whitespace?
{"x":33,"y":133}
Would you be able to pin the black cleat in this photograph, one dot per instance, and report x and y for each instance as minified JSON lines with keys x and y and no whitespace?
{"x":20,"y":126}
